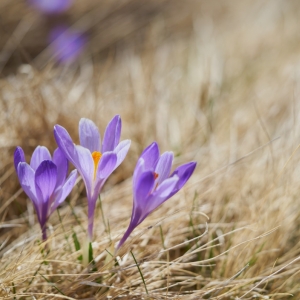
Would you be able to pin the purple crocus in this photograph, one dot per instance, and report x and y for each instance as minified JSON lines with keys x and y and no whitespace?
{"x":66,"y":43}
{"x":44,"y":181}
{"x":153,"y":184}
{"x":51,"y":6}
{"x":94,"y":161}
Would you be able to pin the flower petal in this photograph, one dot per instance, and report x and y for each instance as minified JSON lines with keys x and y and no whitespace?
{"x":184,"y":172}
{"x":133,"y":223}
{"x":26,"y":178}
{"x":79,"y":156}
{"x":112,"y":134}
{"x":65,"y":143}
{"x":64,"y":191}
{"x":61,"y":163}
{"x":19,"y":156}
{"x":106,"y":165}
{"x":163,"y":193}
{"x":163,"y":167}
{"x":121,"y":151}
{"x":151,"y":156}
{"x":84,"y":163}
{"x":45,"y":182}
{"x":144,"y":186}
{"x":141,"y":194}
{"x":40,"y":154}
{"x":89,"y":135}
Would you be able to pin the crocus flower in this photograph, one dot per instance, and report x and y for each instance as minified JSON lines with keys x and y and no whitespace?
{"x":153,"y":184}
{"x":94,"y":161}
{"x":44,"y":181}
{"x":51,"y":6}
{"x":66,"y":44}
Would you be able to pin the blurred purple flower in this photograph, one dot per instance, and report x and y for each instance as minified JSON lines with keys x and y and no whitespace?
{"x":153,"y":185}
{"x":66,"y":44}
{"x":95,"y":162}
{"x":44,"y":180}
{"x":51,"y":6}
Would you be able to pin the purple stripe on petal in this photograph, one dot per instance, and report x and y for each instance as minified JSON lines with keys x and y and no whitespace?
{"x":19,"y":156}
{"x":151,"y":156}
{"x":64,"y":191}
{"x":112,"y":134}
{"x":184,"y":172}
{"x":106,"y":165}
{"x":45,"y":181}
{"x":121,"y":151}
{"x":40,"y":154}
{"x":163,"y":167}
{"x":89,"y":135}
{"x":62,"y":165}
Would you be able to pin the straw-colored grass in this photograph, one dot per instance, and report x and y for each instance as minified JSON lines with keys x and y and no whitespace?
{"x":215,"y":82}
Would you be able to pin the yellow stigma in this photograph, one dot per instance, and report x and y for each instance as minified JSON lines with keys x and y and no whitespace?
{"x":96,"y":157}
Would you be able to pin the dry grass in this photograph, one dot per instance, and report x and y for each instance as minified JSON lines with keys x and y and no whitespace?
{"x":216,"y":82}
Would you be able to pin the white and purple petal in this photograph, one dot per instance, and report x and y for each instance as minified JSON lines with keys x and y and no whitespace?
{"x":184,"y":172}
{"x":65,"y":143}
{"x":106,"y":165}
{"x":40,"y":154}
{"x":62,"y":165}
{"x":121,"y":151}
{"x":163,"y":167}
{"x":143,"y":188}
{"x":64,"y":191}
{"x":26,"y":178}
{"x":89,"y":135}
{"x":45,"y":181}
{"x":84,"y":163}
{"x":112,"y":134}
{"x":150,"y":156}
{"x":19,"y":156}
{"x":163,"y":193}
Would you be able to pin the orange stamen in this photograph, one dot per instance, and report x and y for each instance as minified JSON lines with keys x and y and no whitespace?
{"x":96,"y":157}
{"x":155,"y":177}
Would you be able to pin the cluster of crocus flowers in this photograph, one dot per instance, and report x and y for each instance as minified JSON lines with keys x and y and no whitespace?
{"x":46,"y":184}
{"x":44,"y":181}
{"x":153,"y":184}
